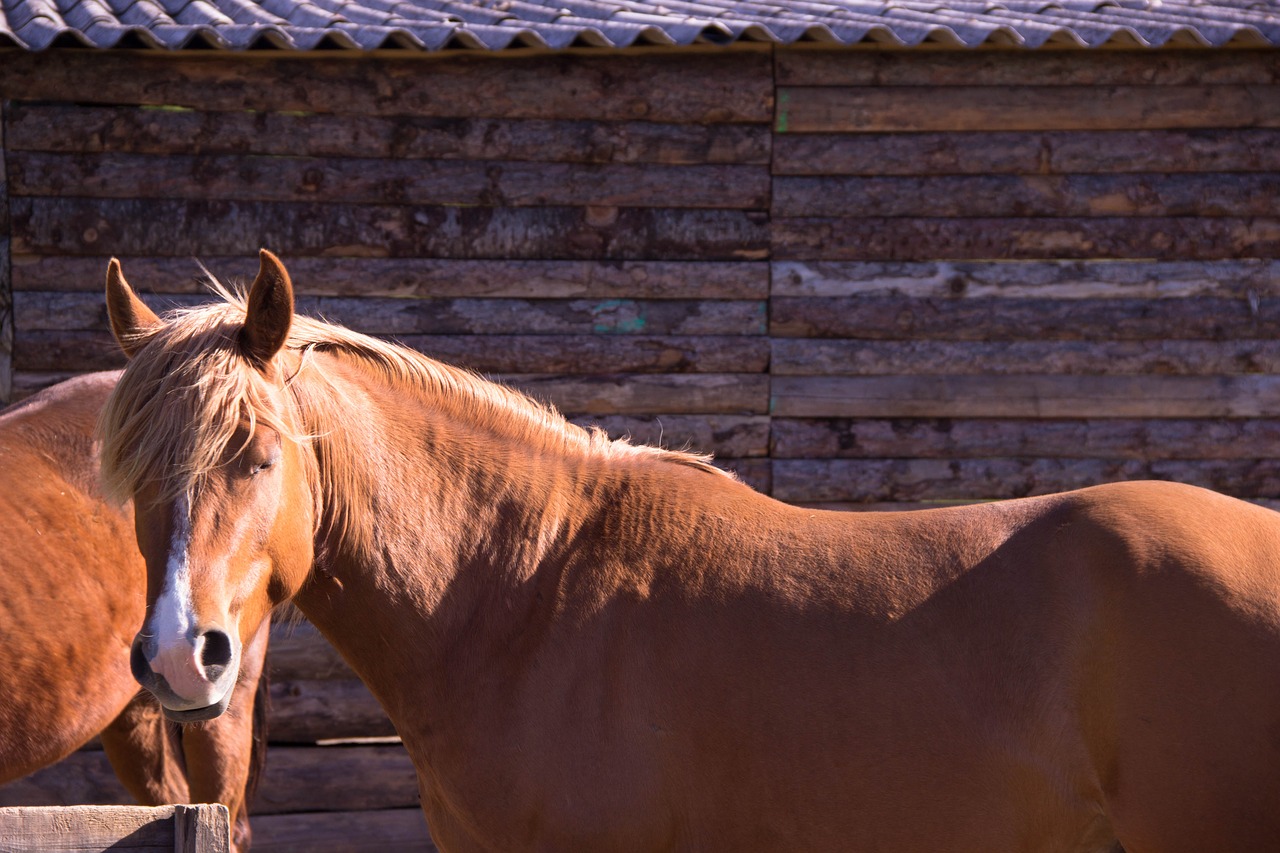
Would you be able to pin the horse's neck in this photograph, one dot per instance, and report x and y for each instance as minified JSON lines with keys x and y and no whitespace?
{"x":453,"y":538}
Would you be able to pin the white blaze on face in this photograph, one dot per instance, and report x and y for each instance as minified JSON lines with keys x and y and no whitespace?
{"x":173,"y":620}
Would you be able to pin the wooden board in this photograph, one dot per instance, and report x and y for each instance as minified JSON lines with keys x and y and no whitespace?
{"x":1202,"y":194}
{"x":1042,"y":279}
{"x":958,"y":108}
{"x":1252,"y":396}
{"x":149,"y":130}
{"x":1065,"y":438}
{"x":413,"y":277}
{"x":815,"y":357}
{"x":733,"y":85}
{"x":185,"y":228}
{"x":813,"y":65}
{"x":641,"y":394}
{"x":730,"y":436}
{"x":356,"y":180}
{"x":163,"y":829}
{"x":996,"y":319}
{"x":898,"y":480}
{"x":1028,"y":152}
{"x":305,"y":711}
{"x":909,"y":239}
{"x":390,"y":831}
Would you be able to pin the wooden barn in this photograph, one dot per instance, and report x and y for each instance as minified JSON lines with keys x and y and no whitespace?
{"x":871,"y":255}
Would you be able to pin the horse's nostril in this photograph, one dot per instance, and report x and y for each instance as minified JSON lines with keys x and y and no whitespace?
{"x":216,"y":650}
{"x":138,"y":662}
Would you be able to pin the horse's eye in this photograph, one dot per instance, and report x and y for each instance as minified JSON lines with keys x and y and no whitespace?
{"x":261,"y":466}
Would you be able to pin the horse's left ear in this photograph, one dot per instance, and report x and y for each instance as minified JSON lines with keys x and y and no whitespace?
{"x":131,"y":319}
{"x":270,"y":312}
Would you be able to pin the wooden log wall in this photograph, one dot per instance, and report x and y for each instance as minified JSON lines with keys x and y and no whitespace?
{"x":863,"y":278}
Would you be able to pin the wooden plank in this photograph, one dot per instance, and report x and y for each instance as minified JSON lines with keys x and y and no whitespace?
{"x":897,"y":239}
{"x":987,"y":319}
{"x":1253,"y":396}
{"x":102,"y":828}
{"x":83,"y":777}
{"x":861,"y":109}
{"x":1082,"y":279}
{"x":201,"y":829}
{"x":800,"y":65}
{"x":810,"y":357}
{"x":307,"y":711}
{"x":298,"y":651}
{"x":596,"y":352}
{"x":66,"y":351}
{"x":688,"y":87}
{"x":378,"y":316}
{"x":145,"y":130}
{"x":894,"y":480}
{"x":1022,"y":153}
{"x":390,"y":831}
{"x":1203,"y":194}
{"x":1067,"y":438}
{"x":756,"y":473}
{"x":352,"y":180}
{"x":663,"y":394}
{"x":338,"y":778}
{"x":183,"y":228}
{"x":729,"y":436}
{"x":415,"y":277}
{"x":26,"y":383}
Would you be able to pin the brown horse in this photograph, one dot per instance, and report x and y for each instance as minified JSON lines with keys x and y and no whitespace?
{"x":588,"y":645}
{"x":72,"y":593}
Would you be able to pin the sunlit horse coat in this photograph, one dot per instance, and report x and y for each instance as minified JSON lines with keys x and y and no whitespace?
{"x":591,"y":646}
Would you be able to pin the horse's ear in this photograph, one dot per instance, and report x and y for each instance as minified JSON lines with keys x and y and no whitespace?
{"x":270,"y":312}
{"x":131,"y":319}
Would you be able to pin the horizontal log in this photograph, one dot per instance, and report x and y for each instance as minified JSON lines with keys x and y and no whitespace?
{"x":1253,"y":396}
{"x":355,"y":180}
{"x":381,"y":316}
{"x":988,"y":319}
{"x":389,"y":831}
{"x":1066,"y":438}
{"x":815,"y":357}
{"x":724,"y":86}
{"x":338,"y":778}
{"x":310,"y":711}
{"x":1028,"y":153}
{"x":414,"y":277}
{"x":136,"y":828}
{"x":909,"y":506}
{"x":26,"y":383}
{"x":898,"y":239}
{"x":756,"y":473}
{"x":894,"y":480}
{"x":177,"y":228}
{"x":141,"y":130}
{"x":861,"y":109}
{"x":298,"y":651}
{"x":730,"y":436}
{"x":1204,"y":194}
{"x":641,"y":394}
{"x":801,"y":65}
{"x":82,"y":778}
{"x":98,"y":350}
{"x":1082,"y":279}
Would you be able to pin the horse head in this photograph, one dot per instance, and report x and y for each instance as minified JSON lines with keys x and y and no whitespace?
{"x":201,"y":434}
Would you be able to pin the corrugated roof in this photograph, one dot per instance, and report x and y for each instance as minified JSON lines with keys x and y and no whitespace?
{"x":497,"y":24}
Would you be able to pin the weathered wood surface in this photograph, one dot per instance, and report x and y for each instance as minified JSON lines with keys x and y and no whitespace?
{"x":809,"y":356}
{"x":142,"y":130}
{"x":860,"y":109}
{"x":163,"y":829}
{"x":190,"y":227}
{"x":799,"y":65}
{"x":1022,"y":396}
{"x":336,"y":778}
{"x":1202,"y":194}
{"x":448,"y":316}
{"x":733,"y":85}
{"x":354,"y":180}
{"x":991,"y":319}
{"x":414,"y":277}
{"x":312,"y":710}
{"x":728,"y":436}
{"x":649,"y":394}
{"x":1067,"y":438}
{"x":896,"y":480}
{"x":389,"y":831}
{"x":1028,"y":153}
{"x":907,"y":239}
{"x":1049,"y":279}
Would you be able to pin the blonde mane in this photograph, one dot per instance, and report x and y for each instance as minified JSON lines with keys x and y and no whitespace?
{"x":189,"y":388}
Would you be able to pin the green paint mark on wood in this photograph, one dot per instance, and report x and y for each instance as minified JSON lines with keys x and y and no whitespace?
{"x":783,"y":98}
